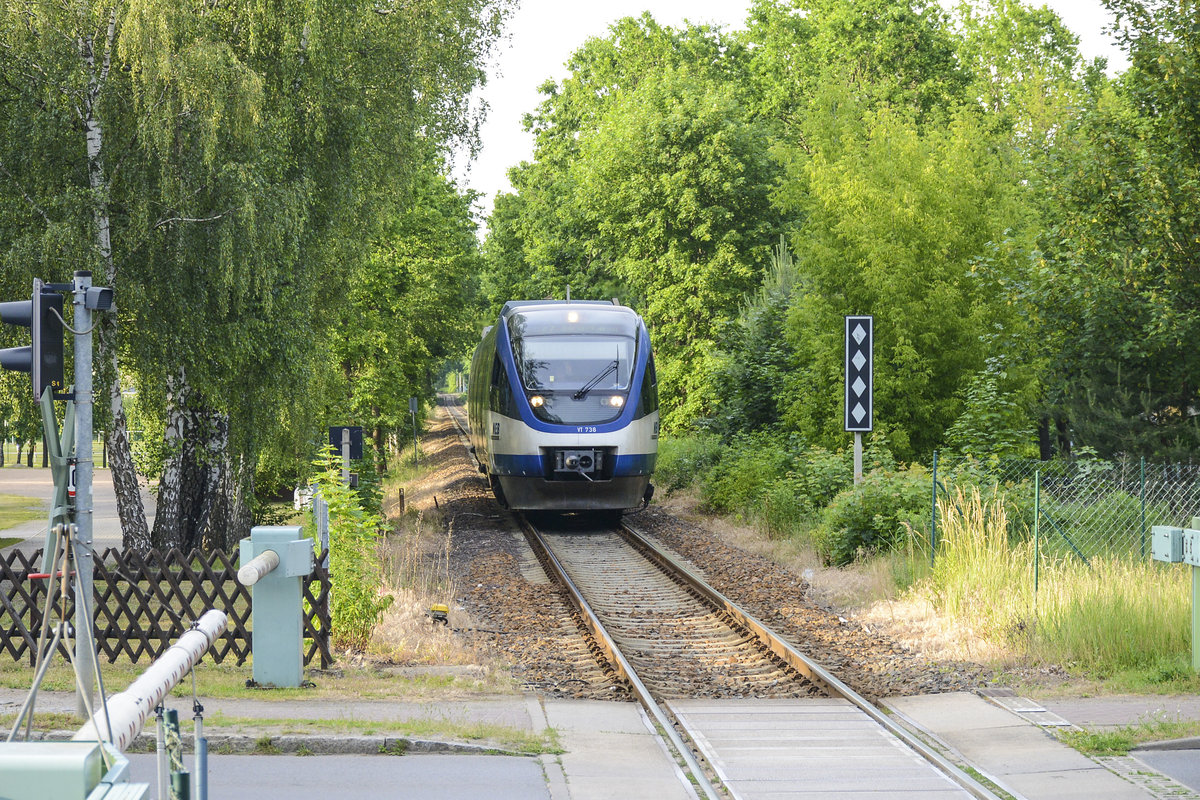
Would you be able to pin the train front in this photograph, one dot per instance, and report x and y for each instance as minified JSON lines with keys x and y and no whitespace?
{"x":585,"y":398}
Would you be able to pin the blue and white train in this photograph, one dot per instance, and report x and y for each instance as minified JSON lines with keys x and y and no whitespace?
{"x":563,"y":406}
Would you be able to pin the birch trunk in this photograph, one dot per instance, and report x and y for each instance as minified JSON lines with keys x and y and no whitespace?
{"x":232,"y":514}
{"x":169,"y":509}
{"x":135,"y":534}
{"x":203,"y":497}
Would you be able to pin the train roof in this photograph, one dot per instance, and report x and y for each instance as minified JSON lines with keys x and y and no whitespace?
{"x":517,"y":305}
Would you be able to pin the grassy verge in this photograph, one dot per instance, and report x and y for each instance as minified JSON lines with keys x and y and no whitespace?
{"x":16,"y":509}
{"x":227,"y":681}
{"x":1121,"y":620}
{"x":1120,"y":741}
{"x":501,"y":736}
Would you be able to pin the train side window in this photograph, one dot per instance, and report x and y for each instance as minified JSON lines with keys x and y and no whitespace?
{"x":648,"y":400}
{"x":501,"y":390}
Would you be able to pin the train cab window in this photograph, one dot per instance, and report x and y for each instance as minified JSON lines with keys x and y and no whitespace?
{"x":574,"y":350}
{"x":575,"y":363}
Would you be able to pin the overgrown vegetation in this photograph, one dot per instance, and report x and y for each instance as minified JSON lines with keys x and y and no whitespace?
{"x":355,"y":530}
{"x":1120,"y":741}
{"x":1116,"y":616}
{"x":791,"y":488}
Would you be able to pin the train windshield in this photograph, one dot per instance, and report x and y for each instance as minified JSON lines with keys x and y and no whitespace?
{"x":578,"y":351}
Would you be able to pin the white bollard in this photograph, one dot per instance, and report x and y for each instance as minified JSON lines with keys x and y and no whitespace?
{"x":261,"y":565}
{"x":127,"y":712}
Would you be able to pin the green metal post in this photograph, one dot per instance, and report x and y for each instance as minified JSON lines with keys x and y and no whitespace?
{"x":1143,"y":493}
{"x":1195,"y":619}
{"x":1037,"y":517}
{"x":933,"y":515}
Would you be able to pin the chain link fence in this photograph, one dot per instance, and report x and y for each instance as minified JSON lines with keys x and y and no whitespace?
{"x":1085,"y":507}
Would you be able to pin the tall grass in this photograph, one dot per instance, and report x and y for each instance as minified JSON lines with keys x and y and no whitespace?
{"x":417,"y":573}
{"x":1116,"y":614}
{"x":980,"y":577}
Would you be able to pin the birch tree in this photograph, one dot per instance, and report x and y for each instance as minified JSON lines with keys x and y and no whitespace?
{"x":58,"y":91}
{"x":220,"y":166}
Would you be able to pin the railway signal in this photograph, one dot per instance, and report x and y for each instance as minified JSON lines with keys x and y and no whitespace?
{"x":860,"y":381}
{"x":43,"y":357}
{"x":72,"y":471}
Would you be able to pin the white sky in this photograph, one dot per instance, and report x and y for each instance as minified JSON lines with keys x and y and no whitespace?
{"x":543,"y":34}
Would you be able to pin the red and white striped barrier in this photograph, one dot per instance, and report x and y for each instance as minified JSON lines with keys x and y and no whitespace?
{"x":128,"y":711}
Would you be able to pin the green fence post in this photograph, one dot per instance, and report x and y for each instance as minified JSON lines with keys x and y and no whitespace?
{"x":1037,"y":517}
{"x":1143,"y":494}
{"x":933,"y":515}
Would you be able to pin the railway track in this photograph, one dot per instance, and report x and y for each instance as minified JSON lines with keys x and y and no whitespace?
{"x":680,"y":643}
{"x":722,"y":687}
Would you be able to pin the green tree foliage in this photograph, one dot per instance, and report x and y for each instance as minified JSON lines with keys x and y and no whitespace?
{"x":894,"y":215}
{"x":1118,"y":288}
{"x":649,"y":183}
{"x":891,"y":53}
{"x":755,"y":356}
{"x":676,"y":181}
{"x":411,"y":305}
{"x":1022,"y":227}
{"x":241,"y":161}
{"x":1025,"y":66}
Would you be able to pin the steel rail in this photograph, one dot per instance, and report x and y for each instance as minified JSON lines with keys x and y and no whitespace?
{"x":803,"y":664}
{"x":617,"y":659}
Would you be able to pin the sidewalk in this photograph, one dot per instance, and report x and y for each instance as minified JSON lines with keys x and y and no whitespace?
{"x":609,"y":750}
{"x":1008,"y":739}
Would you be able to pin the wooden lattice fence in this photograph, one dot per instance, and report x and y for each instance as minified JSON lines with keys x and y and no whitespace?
{"x":143,"y":603}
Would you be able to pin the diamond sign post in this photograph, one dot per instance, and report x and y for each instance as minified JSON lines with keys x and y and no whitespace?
{"x":860,"y":383}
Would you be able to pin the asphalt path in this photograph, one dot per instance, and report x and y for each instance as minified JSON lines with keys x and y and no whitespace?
{"x":39,"y":484}
{"x":1182,"y":765}
{"x":413,"y":777}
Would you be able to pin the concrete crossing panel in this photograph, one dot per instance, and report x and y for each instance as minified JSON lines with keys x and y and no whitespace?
{"x":807,"y":748}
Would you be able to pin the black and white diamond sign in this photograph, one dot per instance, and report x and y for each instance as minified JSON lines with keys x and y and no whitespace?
{"x":860,"y":341}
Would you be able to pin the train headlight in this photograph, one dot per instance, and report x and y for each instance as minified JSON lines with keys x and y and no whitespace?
{"x":537,"y":401}
{"x":616,"y":401}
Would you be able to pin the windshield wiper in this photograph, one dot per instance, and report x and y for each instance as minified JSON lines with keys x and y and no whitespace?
{"x":587,"y":387}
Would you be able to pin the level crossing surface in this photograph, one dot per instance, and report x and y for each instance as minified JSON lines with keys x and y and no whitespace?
{"x":807,"y":748}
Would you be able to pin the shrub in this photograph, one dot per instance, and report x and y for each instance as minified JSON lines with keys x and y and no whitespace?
{"x":749,"y":466}
{"x":820,"y":475}
{"x":685,"y":461}
{"x":871,"y":517}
